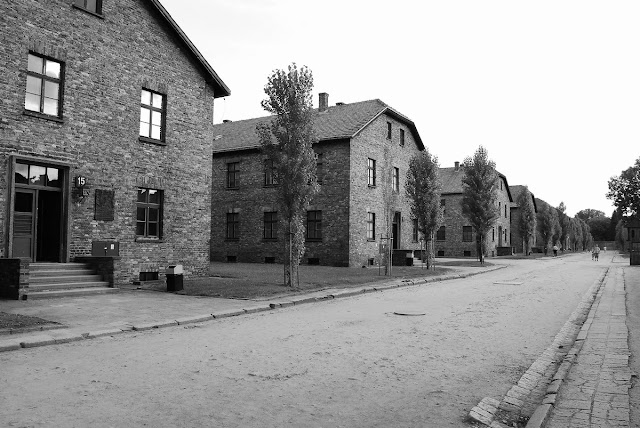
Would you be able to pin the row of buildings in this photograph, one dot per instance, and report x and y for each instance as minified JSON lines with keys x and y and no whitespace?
{"x":109,"y":153}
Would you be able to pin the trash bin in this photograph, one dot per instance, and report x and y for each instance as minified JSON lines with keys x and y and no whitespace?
{"x":174,"y":278}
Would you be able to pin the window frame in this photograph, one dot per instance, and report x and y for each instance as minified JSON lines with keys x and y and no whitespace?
{"x":389,"y":130}
{"x":82,"y":5}
{"x":232,"y":229}
{"x":269,"y":177}
{"x":371,"y":226}
{"x":314,"y":225}
{"x":402,"y":138}
{"x":270,"y":225}
{"x":43,"y":77}
{"x":163,"y":117}
{"x":467,"y":233}
{"x":233,"y":175}
{"x":415,"y":233}
{"x":441,"y":233}
{"x":371,"y":172}
{"x":395,"y":180}
{"x":319,"y":168}
{"x":146,"y":205}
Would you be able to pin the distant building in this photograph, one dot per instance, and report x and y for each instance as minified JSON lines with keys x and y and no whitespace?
{"x":105,"y":136}
{"x":363,"y":156}
{"x":456,"y":237}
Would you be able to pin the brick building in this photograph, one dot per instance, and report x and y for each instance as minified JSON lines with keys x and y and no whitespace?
{"x":516,"y":217}
{"x":363,"y":154}
{"x":105,"y":136}
{"x":456,"y":238}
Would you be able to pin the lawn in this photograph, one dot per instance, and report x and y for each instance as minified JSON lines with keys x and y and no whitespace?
{"x":256,"y":280}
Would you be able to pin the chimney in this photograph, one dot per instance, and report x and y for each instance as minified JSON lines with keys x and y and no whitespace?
{"x":227,"y":121}
{"x":457,"y":164}
{"x":323,"y":105}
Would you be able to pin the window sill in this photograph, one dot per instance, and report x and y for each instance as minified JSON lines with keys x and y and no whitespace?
{"x":151,"y":141}
{"x":269,"y":239}
{"x":98,"y":15}
{"x":371,"y":240}
{"x":231,"y":239}
{"x":232,"y":188}
{"x":43,"y":116}
{"x":313,"y":240}
{"x":148,"y":240}
{"x":371,"y":186}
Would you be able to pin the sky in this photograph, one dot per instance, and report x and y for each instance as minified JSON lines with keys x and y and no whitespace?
{"x":550,"y":88}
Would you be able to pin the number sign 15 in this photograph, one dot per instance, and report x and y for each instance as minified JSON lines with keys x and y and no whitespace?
{"x":80,"y":181}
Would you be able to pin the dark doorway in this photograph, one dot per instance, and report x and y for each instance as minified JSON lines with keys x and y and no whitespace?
{"x":48,"y":227}
{"x":396,"y":231}
{"x":499,"y":236}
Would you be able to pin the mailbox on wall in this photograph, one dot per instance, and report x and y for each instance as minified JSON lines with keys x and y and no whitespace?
{"x":105,"y":248}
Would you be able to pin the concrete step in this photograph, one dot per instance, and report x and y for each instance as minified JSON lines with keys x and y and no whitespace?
{"x":75,"y":292}
{"x":59,"y":272}
{"x":66,"y":285}
{"x":64,"y":279}
{"x":38,"y":266}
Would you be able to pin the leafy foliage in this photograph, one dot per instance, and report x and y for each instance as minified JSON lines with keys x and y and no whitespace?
{"x":624,"y":190}
{"x":479,"y":194}
{"x":287,"y":141}
{"x":424,"y":189}
{"x":548,"y":224}
{"x":600,"y":228}
{"x":528,"y":220}
{"x":588,"y":214}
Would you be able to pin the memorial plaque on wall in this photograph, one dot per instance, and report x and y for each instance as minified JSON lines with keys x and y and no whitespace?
{"x":104,"y":205}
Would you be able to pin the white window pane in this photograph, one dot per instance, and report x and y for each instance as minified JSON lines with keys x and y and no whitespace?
{"x":34,"y":85}
{"x":51,"y":90}
{"x":144,"y":129}
{"x":155,"y":132}
{"x":156,"y":118}
{"x":35,"y":64}
{"x":32,"y":102}
{"x":145,"y":115}
{"x":145,"y":98}
{"x":157,"y":100}
{"x":50,"y":106}
{"x":52,"y":69}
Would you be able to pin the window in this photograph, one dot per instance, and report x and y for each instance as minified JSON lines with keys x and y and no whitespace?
{"x":93,"y":6}
{"x":37,"y":175}
{"x":505,"y":210}
{"x":314,"y":225}
{"x":388,"y":130}
{"x":270,"y":225}
{"x":441,"y":234}
{"x":149,"y":213}
{"x":44,"y":86}
{"x":402,"y":137}
{"x":319,"y":168}
{"x":414,"y":233}
{"x":443,"y":204}
{"x":493,"y":234}
{"x":371,"y":226}
{"x":233,"y":175}
{"x":467,"y":234}
{"x":152,"y":115}
{"x":269,"y":179}
{"x":233,"y":226}
{"x":371,"y":170}
{"x":396,"y":180}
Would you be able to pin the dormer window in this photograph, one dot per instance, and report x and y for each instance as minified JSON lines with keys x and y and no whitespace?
{"x":92,"y":6}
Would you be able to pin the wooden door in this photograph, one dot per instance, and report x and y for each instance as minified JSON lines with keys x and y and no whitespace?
{"x":24,"y":223}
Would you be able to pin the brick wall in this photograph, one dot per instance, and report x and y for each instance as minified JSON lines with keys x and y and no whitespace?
{"x":372,"y":143}
{"x":107,"y":63}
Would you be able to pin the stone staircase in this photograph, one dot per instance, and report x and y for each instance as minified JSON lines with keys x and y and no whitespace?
{"x":47,"y":280}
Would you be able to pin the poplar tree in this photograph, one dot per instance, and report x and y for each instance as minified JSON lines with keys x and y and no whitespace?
{"x":527,"y":223}
{"x":424,"y":190}
{"x":287,"y":142}
{"x":479,"y":194}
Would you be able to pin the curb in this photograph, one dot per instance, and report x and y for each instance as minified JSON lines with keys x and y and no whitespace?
{"x":513,"y":401}
{"x":58,"y":337}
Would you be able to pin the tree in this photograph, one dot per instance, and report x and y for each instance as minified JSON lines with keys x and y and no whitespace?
{"x":600,"y":227}
{"x":527,"y":223}
{"x":588,"y":214}
{"x":287,"y":143}
{"x":547,"y":224}
{"x":479,"y":185}
{"x":423,"y":189}
{"x":586,"y":235}
{"x":624,"y":190}
{"x":576,"y":233}
{"x":563,"y":218}
{"x":619,"y":234}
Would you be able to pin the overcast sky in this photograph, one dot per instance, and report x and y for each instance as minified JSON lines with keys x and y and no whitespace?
{"x":550,"y":88}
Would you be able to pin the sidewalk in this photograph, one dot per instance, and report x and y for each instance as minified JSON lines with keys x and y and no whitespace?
{"x":86,"y":317}
{"x":595,"y":390}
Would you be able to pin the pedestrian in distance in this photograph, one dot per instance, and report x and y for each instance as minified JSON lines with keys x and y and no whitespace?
{"x":593,"y":253}
{"x":597,"y":252}
{"x":555,"y":251}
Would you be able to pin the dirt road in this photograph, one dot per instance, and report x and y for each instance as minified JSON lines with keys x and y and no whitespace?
{"x":344,"y":363}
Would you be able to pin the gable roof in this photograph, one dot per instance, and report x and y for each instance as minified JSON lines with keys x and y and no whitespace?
{"x":337,"y":122}
{"x":516,"y":191}
{"x":451,"y":179}
{"x":220,"y":88}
